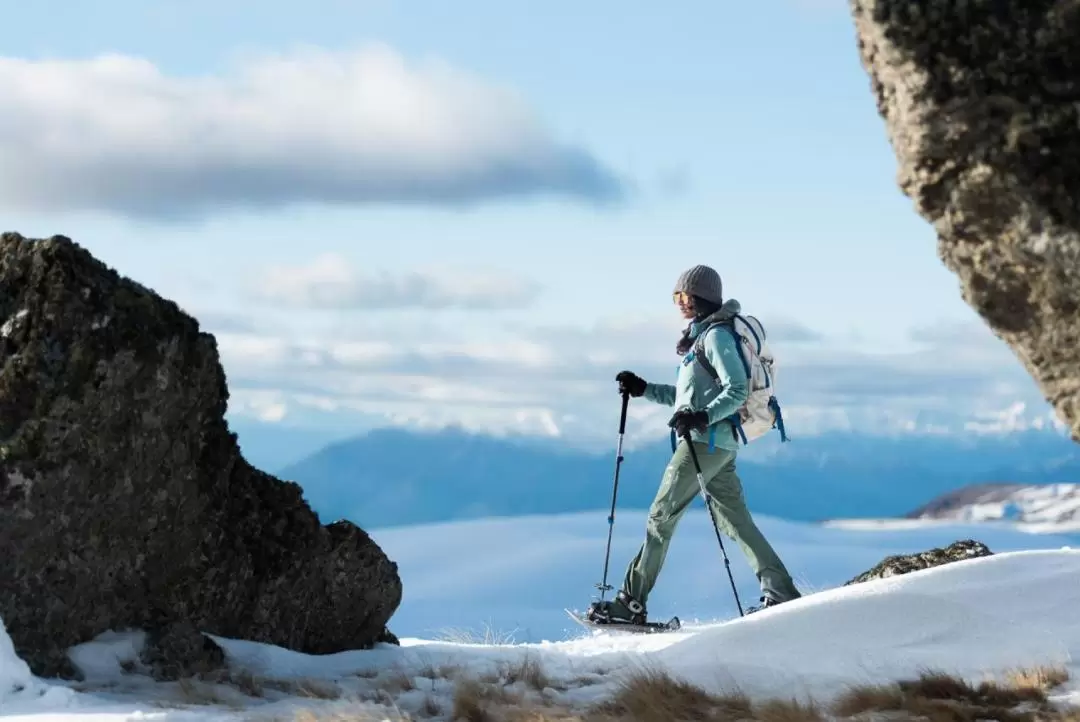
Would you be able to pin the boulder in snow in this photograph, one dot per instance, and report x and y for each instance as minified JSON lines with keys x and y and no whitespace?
{"x":124,"y":500}
{"x":905,"y":563}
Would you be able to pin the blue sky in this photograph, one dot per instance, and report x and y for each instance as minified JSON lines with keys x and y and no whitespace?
{"x":473,"y":213}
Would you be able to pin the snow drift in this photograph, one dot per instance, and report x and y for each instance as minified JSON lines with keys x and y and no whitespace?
{"x":982,"y":616}
{"x":18,"y":687}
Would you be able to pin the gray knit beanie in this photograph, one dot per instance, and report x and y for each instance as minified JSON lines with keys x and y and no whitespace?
{"x":701,"y":281}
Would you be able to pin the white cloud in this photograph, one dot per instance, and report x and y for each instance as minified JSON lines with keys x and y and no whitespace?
{"x":115,"y":133}
{"x":331,"y":281}
{"x":559,"y":382}
{"x":267,"y":406}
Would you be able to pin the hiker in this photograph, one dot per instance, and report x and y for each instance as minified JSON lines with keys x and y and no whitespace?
{"x":702,"y":407}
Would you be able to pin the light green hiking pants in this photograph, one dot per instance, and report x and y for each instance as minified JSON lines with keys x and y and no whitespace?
{"x":678,"y":489}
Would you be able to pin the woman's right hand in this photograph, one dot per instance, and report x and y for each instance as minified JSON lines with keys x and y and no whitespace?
{"x":630,"y":383}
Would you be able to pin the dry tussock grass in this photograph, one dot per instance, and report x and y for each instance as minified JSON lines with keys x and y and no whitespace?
{"x":401,"y":679}
{"x":514,"y":691}
{"x":348,"y":716}
{"x":655,"y":696}
{"x":518,"y":692}
{"x":192,"y":692}
{"x":256,"y":686}
{"x":230,"y":688}
{"x":312,"y":688}
{"x":651,"y":694}
{"x":480,"y":701}
{"x":1045,"y":678}
{"x":528,"y":671}
{"x":934,"y":696}
{"x":489,"y":636}
{"x":247,"y":682}
{"x":793,"y":710}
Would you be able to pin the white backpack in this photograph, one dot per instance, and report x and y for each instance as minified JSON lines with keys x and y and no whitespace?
{"x":761,"y":412}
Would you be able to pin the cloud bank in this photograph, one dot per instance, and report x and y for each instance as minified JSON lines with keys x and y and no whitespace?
{"x":559,"y":381}
{"x":331,"y":281}
{"x":114,"y":133}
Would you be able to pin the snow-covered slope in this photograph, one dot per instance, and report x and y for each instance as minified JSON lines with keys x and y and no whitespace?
{"x":513,"y":575}
{"x":1052,"y":506}
{"x":980,"y":616}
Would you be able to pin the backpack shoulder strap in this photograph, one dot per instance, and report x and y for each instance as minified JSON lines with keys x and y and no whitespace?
{"x":699,"y":355}
{"x":757,"y":339}
{"x":701,"y":358}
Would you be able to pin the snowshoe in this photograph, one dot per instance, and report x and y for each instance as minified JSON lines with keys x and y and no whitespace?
{"x":625,"y":613}
{"x":646,"y":627}
{"x":624,"y":609}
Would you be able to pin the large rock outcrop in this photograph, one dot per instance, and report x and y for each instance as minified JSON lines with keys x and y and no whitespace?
{"x":124,"y":500}
{"x":906,"y":563}
{"x":981,"y":101}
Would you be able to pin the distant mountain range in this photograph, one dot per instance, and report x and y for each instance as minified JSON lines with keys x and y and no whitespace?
{"x":392,"y":477}
{"x":1052,"y":505}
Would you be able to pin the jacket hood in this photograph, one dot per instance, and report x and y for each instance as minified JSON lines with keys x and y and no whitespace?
{"x":726,"y":312}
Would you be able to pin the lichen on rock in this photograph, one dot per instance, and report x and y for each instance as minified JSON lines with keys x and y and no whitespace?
{"x":906,"y":563}
{"x":981,"y":103}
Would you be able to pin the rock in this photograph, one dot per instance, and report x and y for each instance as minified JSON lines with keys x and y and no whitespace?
{"x":387,"y":637}
{"x":180,"y":650}
{"x":124,"y":500}
{"x":981,"y":103}
{"x":905,"y":563}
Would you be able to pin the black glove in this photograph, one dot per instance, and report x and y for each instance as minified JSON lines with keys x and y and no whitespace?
{"x":685,"y":421}
{"x":630,"y":383}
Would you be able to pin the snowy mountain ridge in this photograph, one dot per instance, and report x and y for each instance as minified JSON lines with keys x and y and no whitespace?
{"x":1029,"y":504}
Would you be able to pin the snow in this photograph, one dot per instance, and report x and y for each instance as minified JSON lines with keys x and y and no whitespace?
{"x":972,"y":618}
{"x":507,"y":575}
{"x":19,"y":688}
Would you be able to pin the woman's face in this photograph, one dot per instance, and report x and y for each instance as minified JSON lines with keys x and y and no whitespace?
{"x":685,"y":303}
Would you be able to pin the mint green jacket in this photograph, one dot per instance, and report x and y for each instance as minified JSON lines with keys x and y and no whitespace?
{"x":694,"y":389}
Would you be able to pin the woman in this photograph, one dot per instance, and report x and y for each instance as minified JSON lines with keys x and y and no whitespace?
{"x":704,"y":406}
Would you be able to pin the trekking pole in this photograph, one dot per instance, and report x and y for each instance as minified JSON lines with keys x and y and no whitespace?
{"x":716,"y":527}
{"x":604,"y":586}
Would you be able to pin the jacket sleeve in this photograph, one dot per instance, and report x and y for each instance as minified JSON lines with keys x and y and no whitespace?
{"x":721,"y":350}
{"x":660,"y":393}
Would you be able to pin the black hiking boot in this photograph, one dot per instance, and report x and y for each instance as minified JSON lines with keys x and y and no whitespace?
{"x":623,"y":609}
{"x":766,"y":601}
